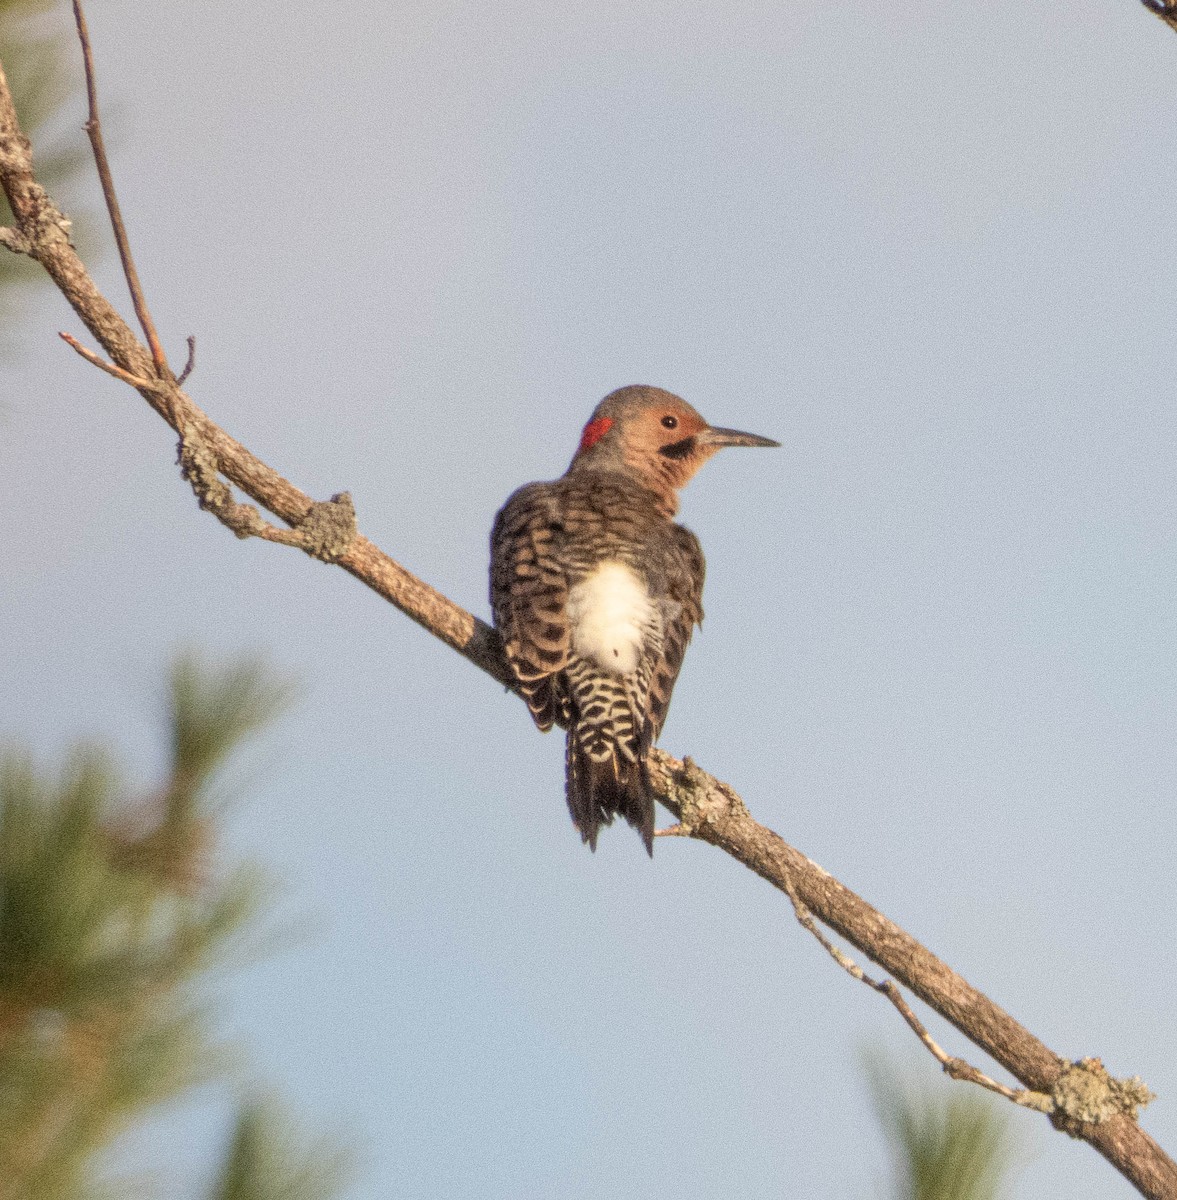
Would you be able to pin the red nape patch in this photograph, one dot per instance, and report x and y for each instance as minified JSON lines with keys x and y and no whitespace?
{"x":593,"y":432}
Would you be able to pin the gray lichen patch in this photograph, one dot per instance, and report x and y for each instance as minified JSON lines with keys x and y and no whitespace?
{"x":329,"y":529}
{"x":1086,"y":1092}
{"x":199,"y":466}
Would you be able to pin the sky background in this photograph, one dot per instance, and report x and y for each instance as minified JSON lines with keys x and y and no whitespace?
{"x":928,"y":247}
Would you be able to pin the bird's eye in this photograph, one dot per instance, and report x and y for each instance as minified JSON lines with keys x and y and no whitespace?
{"x":670,"y":422}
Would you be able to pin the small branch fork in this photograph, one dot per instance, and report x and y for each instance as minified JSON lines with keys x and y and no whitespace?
{"x":324,"y":530}
{"x":1080,"y":1097}
{"x":957,"y":1068}
{"x":1083,"y":1086}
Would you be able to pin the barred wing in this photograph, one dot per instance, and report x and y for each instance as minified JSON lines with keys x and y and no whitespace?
{"x":529,"y":595}
{"x":682,"y":612}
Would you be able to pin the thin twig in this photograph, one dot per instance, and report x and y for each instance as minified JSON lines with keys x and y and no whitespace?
{"x":93,"y":128}
{"x":708,"y":809}
{"x":14,"y":240}
{"x":190,"y":363}
{"x":958,"y":1068}
{"x":108,"y":367}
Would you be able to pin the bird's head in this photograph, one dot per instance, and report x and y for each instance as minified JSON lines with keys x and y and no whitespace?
{"x":654,"y":435}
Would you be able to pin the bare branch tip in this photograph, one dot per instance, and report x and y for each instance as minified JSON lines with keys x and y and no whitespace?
{"x":93,"y":129}
{"x":675,"y":830}
{"x":14,"y":240}
{"x":190,"y":363}
{"x":110,"y":368}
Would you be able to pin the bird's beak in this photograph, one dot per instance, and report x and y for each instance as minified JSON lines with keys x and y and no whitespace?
{"x":731,"y":437}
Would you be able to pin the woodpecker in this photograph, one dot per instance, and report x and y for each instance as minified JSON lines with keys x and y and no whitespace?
{"x":596,"y":592}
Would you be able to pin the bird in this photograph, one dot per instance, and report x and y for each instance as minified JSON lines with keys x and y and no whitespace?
{"x":596,"y":591}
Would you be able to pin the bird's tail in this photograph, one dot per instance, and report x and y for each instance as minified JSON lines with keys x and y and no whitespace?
{"x":599,"y":788}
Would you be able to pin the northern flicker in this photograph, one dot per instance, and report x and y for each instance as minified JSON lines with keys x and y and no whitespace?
{"x":596,"y":592}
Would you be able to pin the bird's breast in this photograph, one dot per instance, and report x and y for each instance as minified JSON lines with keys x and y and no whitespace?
{"x":610,"y":614}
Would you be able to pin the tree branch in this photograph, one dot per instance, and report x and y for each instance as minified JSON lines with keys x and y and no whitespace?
{"x":94,"y":130}
{"x":1080,"y":1097}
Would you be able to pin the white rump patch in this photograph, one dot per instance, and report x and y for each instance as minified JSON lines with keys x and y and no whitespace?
{"x":610,"y":613}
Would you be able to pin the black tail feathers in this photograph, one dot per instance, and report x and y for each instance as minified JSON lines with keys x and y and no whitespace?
{"x":597,"y":791}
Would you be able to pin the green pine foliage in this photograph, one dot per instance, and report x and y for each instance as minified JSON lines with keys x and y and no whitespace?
{"x":948,"y":1140}
{"x":114,"y":913}
{"x":266,"y":1161}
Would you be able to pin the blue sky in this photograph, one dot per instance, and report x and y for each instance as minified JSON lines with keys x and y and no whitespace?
{"x":927,"y":248}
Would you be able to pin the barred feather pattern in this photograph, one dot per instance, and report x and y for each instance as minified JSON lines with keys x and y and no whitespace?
{"x":548,"y":538}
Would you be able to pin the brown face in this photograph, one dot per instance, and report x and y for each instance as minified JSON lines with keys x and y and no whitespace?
{"x":672,"y":430}
{"x":657,"y":436}
{"x":664,"y":442}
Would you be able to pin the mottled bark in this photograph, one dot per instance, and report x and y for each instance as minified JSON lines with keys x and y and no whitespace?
{"x":1101,"y":1112}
